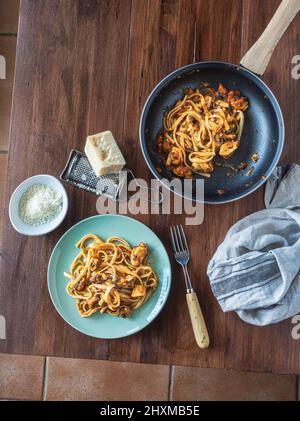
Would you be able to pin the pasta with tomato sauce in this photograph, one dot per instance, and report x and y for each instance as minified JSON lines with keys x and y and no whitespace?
{"x":110,"y":276}
{"x":203,"y":124}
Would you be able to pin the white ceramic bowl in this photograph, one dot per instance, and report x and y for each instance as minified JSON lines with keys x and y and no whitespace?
{"x":33,"y":230}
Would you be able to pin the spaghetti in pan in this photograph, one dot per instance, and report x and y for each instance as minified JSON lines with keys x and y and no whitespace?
{"x":205,"y":123}
{"x":110,"y":277}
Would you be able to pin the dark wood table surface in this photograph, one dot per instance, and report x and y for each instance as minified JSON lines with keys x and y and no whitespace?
{"x":87,"y":66}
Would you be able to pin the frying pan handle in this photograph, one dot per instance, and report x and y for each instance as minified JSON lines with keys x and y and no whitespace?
{"x":258,"y":57}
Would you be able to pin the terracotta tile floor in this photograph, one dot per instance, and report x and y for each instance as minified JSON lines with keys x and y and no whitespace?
{"x":21,"y":377}
{"x":9,"y":14}
{"x":210,"y":384}
{"x":39,"y":378}
{"x":7,"y":50}
{"x":35,"y":378}
{"x":74,"y":379}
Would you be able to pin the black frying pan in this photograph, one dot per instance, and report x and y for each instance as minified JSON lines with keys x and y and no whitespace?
{"x":264,"y":126}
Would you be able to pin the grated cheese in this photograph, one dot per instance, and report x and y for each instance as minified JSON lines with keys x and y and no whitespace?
{"x":40,"y":204}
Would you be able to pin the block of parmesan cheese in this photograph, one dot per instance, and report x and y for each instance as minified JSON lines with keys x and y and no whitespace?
{"x":104,"y":154}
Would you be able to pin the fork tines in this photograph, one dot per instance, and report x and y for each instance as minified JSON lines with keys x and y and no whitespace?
{"x":178,"y":239}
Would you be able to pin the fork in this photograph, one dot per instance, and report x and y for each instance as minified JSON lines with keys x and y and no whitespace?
{"x":182,"y":256}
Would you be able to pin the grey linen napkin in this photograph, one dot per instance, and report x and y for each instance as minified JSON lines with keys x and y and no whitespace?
{"x":255,"y":271}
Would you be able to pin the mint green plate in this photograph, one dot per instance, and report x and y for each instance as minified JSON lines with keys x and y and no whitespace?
{"x":104,"y":325}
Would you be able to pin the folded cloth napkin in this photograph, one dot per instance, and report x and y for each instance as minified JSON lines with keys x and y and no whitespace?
{"x":256,"y":270}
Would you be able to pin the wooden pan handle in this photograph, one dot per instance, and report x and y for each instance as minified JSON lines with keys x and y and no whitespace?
{"x":258,"y":57}
{"x":198,"y":323}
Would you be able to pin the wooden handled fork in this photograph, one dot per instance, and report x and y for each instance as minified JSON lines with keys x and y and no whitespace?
{"x":182,"y":256}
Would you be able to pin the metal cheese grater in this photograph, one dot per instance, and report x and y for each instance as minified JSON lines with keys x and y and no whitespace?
{"x":79,"y":173}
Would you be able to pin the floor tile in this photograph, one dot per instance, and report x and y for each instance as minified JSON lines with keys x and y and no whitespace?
{"x":21,"y":377}
{"x":3,"y":162}
{"x":212,"y":384}
{"x":8,"y":51}
{"x":9,"y":15}
{"x":76,"y":379}
{"x":5,"y":107}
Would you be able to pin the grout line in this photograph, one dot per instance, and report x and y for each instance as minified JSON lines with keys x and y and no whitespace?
{"x":170,"y":385}
{"x":8,"y":34}
{"x":45,"y":380}
{"x":3,"y":151}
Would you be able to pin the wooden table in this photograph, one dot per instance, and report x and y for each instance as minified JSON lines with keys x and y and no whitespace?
{"x":86,"y":66}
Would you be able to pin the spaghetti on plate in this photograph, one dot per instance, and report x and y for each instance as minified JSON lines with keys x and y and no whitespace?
{"x":110,"y":276}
